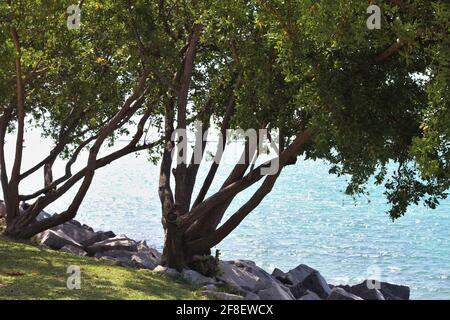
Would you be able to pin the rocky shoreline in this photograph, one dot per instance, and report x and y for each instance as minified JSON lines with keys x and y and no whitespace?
{"x":241,"y":279}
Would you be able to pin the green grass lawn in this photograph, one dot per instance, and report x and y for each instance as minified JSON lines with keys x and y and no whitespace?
{"x":30,"y":272}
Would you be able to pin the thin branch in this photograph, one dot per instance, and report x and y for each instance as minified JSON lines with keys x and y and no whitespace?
{"x":220,"y":148}
{"x":248,"y":180}
{"x":181,"y":180}
{"x":394,"y":48}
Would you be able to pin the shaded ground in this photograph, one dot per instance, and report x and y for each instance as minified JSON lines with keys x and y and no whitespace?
{"x":29,"y":272}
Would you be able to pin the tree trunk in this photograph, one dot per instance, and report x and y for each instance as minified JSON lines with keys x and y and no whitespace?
{"x":173,"y":253}
{"x":13,"y":230}
{"x":178,"y":252}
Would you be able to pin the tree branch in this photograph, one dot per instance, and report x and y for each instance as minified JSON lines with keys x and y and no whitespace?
{"x":136,"y":99}
{"x":228,"y":192}
{"x":181,"y":197}
{"x":266,"y":187}
{"x":13,"y":186}
{"x":394,"y":48}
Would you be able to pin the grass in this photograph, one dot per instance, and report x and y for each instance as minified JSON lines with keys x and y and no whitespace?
{"x":30,"y":272}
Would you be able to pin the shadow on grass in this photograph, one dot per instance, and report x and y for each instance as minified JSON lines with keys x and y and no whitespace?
{"x":42,"y":274}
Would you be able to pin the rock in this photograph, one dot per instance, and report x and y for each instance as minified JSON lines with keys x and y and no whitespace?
{"x":394,"y":291}
{"x":142,"y":245}
{"x":275,"y":292}
{"x":108,"y":260}
{"x":114,"y":254}
{"x":299,"y":273}
{"x":363,"y":291}
{"x":42,"y":216}
{"x":97,"y":237}
{"x":196,"y":278}
{"x":76,"y":233}
{"x":293,"y":276}
{"x":281,"y":276}
{"x":317,"y":284}
{"x":210,"y":287}
{"x":126,"y":258}
{"x":88,"y":228}
{"x":146,"y":257}
{"x":251,"y":296}
{"x":386,"y":291}
{"x":222,"y":295}
{"x":121,"y":257}
{"x":236,"y":277}
{"x":73,"y":250}
{"x":56,"y":239}
{"x":298,"y":290}
{"x":167,"y":271}
{"x":340,"y":294}
{"x":75,"y":223}
{"x":245,"y":275}
{"x":116,"y":243}
{"x":251,"y":267}
{"x":309,"y":295}
{"x":155,"y":254}
{"x":145,"y":260}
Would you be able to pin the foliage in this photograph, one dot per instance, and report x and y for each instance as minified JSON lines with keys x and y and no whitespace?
{"x":369,"y":97}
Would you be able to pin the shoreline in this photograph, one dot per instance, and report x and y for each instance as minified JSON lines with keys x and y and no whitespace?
{"x":241,"y":279}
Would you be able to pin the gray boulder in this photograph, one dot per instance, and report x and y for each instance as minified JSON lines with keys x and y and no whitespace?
{"x":394,"y":291}
{"x":143,"y":260}
{"x":251,"y":296}
{"x":73,"y":250}
{"x":56,"y":239}
{"x":76,"y":223}
{"x":264,"y":277}
{"x":195,"y":278}
{"x":309,"y":295}
{"x":340,"y":294}
{"x":76,"y":233}
{"x":276,"y":292}
{"x":85,"y":226}
{"x":42,"y":216}
{"x":143,"y":247}
{"x":245,"y":275}
{"x":146,"y":257}
{"x":298,"y":290}
{"x":120,"y":257}
{"x":364,"y":291}
{"x":116,"y":243}
{"x":222,"y":295}
{"x":97,"y":237}
{"x":236,"y":277}
{"x":386,"y":291}
{"x":210,"y":287}
{"x":167,"y":271}
{"x":114,"y":254}
{"x":317,"y":284}
{"x":293,"y":276}
{"x":281,"y":276}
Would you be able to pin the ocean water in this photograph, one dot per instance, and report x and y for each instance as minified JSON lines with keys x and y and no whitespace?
{"x":306,"y":219}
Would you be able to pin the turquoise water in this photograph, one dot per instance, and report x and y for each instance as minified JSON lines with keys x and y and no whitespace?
{"x":306,"y":219}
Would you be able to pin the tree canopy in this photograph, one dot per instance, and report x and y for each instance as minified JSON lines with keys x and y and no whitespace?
{"x":311,"y":72}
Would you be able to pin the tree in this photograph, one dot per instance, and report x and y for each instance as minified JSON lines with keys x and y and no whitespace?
{"x":312,"y":72}
{"x":81,"y":87}
{"x":309,"y":72}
